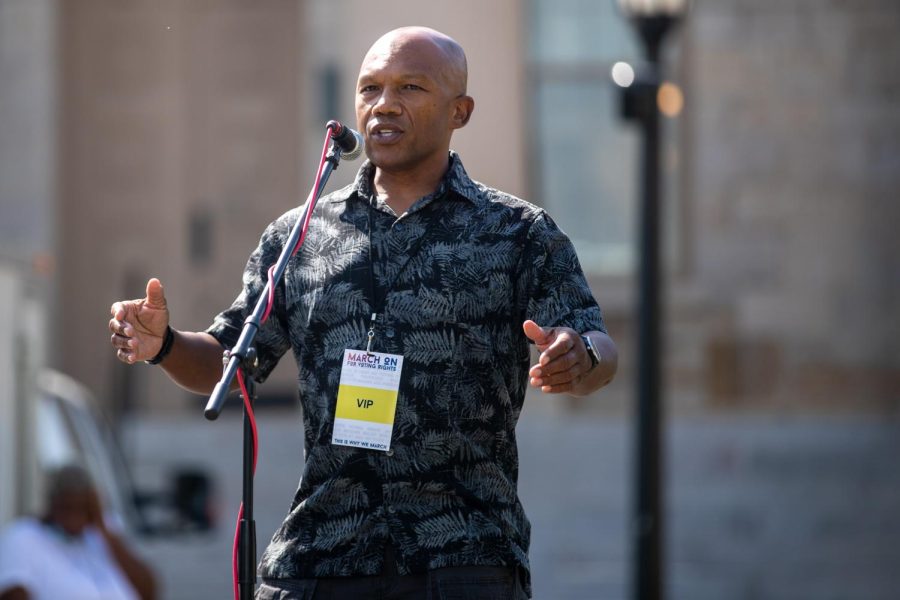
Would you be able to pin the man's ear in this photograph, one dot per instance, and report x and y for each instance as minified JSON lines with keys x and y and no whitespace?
{"x":462,"y":111}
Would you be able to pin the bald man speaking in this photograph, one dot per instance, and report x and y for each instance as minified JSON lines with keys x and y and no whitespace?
{"x":410,"y":312}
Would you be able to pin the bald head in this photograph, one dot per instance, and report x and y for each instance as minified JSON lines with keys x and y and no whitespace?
{"x":449,"y":55}
{"x":410,"y":98}
{"x":67,"y":480}
{"x":72,"y":502}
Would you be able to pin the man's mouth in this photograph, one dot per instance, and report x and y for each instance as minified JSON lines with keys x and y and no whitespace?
{"x":385,"y":133}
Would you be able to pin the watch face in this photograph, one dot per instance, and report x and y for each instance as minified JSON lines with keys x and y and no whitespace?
{"x":592,"y":352}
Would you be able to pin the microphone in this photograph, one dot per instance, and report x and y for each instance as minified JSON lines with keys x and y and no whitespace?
{"x":348,"y":140}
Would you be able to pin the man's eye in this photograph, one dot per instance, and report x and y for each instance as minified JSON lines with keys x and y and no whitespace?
{"x":412,"y":86}
{"x":368,"y":88}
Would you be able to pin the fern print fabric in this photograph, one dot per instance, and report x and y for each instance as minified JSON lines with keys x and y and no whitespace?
{"x":452,"y":281}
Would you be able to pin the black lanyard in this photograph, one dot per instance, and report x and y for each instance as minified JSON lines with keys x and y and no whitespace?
{"x":378,"y":304}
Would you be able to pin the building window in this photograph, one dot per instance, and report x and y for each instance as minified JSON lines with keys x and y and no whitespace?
{"x":200,"y":236}
{"x":586,"y":156}
{"x":330,"y":90}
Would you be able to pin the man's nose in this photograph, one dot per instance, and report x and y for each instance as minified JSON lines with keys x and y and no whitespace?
{"x":387,"y":103}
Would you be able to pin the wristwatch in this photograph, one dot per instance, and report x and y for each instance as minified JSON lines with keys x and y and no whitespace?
{"x":591,"y":350}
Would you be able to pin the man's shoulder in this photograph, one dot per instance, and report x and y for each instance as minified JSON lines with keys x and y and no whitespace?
{"x":491,"y":199}
{"x":341,"y":195}
{"x":495,"y":199}
{"x":324,"y":206}
{"x":21,"y":526}
{"x":23,"y":532}
{"x":507,"y":210}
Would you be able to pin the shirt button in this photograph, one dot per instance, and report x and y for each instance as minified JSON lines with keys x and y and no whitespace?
{"x":389,"y":332}
{"x":392,"y":510}
{"x":390,"y":452}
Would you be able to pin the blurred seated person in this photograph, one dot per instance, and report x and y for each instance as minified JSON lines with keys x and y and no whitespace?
{"x":70,"y":553}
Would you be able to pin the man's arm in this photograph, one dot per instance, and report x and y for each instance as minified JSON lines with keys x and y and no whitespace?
{"x":138,"y":329}
{"x":195,"y":362}
{"x":16,"y":593}
{"x":565,"y":366}
{"x":135,"y":570}
{"x":138,"y":573}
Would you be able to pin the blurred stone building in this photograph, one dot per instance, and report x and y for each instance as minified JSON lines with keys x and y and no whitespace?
{"x":145,"y":138}
{"x":159,"y":137}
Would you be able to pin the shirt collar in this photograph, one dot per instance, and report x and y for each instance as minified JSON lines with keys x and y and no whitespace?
{"x":455,"y":179}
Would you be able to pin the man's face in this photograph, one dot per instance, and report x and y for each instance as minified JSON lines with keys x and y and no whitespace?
{"x":72,"y":512}
{"x":406,"y":104}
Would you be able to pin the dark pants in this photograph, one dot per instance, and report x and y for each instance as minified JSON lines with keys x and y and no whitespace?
{"x":451,"y":583}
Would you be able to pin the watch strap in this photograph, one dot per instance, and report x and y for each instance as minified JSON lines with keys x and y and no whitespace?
{"x":591,"y":350}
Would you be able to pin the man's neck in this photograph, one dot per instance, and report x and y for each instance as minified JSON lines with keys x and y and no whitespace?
{"x":401,"y":189}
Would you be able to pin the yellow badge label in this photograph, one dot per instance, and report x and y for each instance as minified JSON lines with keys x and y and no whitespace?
{"x":366,"y":404}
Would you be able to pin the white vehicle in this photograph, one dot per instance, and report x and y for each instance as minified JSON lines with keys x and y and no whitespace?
{"x":70,"y":430}
{"x":22,"y":321}
{"x":48,"y":419}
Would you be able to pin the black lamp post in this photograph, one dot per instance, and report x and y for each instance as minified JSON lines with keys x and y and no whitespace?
{"x":652,"y":19}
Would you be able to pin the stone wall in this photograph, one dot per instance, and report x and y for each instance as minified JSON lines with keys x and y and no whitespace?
{"x":183,"y":123}
{"x":793,"y":143}
{"x":178,"y":145}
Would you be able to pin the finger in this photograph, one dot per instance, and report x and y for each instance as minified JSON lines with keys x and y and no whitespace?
{"x":122,"y":342}
{"x":536,"y":333}
{"x":574,"y":358}
{"x":563,"y":344}
{"x":156,"y":297}
{"x":125,"y":356}
{"x":554,"y":388}
{"x":117,"y":310}
{"x":557,"y":389}
{"x":122,"y":328}
{"x":571,"y":375}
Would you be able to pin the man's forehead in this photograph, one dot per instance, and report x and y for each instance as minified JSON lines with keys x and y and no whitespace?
{"x":411,"y":68}
{"x":416,"y":55}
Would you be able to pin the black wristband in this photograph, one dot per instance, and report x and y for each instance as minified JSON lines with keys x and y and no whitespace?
{"x":168,"y":339}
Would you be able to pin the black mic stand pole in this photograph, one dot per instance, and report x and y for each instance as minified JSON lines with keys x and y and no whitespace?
{"x":247,"y":526}
{"x":243,"y":356}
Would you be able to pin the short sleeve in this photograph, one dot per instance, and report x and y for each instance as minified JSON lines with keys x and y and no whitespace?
{"x":272,"y":340}
{"x":16,"y":568}
{"x":559,"y":295}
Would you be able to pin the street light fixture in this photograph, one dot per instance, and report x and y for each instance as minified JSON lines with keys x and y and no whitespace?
{"x":652,"y":19}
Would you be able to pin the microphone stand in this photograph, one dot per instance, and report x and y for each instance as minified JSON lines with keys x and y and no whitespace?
{"x":243,"y":356}
{"x":246,"y":573}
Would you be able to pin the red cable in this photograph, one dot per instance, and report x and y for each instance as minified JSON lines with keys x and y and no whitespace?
{"x":304,"y":228}
{"x":252,"y":417}
{"x":265,"y":316}
{"x":240,"y":374}
{"x":237,"y":529}
{"x":234,"y":554}
{"x":312,"y":192}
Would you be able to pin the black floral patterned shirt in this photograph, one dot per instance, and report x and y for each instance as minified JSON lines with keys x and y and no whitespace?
{"x":453,"y":280}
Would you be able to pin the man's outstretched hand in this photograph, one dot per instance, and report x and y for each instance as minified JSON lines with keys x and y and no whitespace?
{"x":564,"y":361}
{"x":139,"y":326}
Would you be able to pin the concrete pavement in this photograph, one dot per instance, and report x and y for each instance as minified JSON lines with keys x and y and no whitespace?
{"x":758,"y":507}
